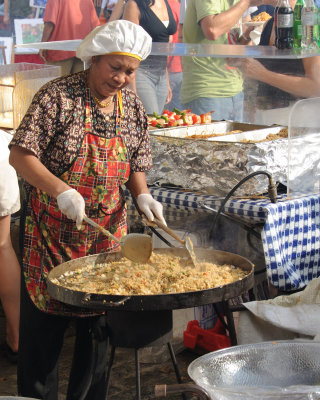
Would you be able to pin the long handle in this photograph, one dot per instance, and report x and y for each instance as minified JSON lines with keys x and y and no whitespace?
{"x":100,"y":228}
{"x":164,"y":227}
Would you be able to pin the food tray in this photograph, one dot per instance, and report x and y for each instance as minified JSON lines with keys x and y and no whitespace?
{"x":215,"y":165}
{"x":218,"y":128}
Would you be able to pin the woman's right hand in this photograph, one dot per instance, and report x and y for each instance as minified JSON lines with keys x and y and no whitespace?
{"x":71,"y":203}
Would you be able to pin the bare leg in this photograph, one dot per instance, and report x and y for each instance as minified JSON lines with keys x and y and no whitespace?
{"x":9,"y":284}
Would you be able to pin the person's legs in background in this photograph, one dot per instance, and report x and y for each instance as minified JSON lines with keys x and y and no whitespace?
{"x":162,"y":92}
{"x":225,"y":108}
{"x":9,"y":284}
{"x":152,"y":90}
{"x":237,"y":101}
{"x":175,"y":83}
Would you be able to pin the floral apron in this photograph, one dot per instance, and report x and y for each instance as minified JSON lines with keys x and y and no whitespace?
{"x":50,"y":238}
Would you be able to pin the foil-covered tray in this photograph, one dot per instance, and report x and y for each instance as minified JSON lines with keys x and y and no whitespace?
{"x":187,"y":158}
{"x":216,"y":128}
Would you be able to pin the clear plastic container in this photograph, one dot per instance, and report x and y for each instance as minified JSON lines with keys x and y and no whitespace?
{"x":18,"y":84}
{"x":303,"y":176}
{"x":278,"y":370}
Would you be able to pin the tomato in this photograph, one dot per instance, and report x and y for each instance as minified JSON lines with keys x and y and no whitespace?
{"x":196,"y":119}
{"x":205,"y":118}
{"x":153,"y":122}
{"x":172,"y":122}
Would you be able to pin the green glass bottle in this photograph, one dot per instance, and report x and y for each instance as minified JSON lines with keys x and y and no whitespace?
{"x":297,"y":25}
{"x":318,"y":14}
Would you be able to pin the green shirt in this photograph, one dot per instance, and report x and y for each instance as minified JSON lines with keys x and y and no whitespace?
{"x":206,"y":76}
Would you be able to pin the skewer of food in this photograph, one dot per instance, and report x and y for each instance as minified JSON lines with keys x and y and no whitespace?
{"x":177,"y":117}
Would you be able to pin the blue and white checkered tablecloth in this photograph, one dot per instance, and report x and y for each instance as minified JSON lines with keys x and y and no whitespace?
{"x":290,"y":234}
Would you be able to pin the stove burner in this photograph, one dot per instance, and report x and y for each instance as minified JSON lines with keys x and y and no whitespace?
{"x":138,"y":329}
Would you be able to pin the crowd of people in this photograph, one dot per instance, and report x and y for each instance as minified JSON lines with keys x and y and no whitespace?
{"x":100,"y":103}
{"x":201,"y":84}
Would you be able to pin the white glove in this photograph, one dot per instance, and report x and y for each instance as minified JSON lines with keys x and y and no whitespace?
{"x":71,"y":203}
{"x":150,"y":207}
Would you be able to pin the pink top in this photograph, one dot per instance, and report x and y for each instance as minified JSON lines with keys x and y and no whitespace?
{"x":73,"y":19}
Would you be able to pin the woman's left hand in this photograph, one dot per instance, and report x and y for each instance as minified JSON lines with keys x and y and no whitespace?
{"x":169,"y":95}
{"x":150,"y":207}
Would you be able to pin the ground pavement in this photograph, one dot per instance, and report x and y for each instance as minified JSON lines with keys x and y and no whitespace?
{"x":122,"y":383}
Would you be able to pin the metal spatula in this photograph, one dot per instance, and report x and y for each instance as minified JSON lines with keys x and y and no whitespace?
{"x":136,"y":247}
{"x":186,"y":243}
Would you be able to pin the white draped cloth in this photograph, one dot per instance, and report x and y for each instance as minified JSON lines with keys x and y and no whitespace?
{"x":9,"y":188}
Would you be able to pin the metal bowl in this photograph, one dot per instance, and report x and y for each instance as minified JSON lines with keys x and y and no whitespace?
{"x":264,"y":371}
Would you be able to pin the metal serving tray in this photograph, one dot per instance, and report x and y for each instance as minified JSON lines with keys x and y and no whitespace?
{"x":215,"y":165}
{"x":229,"y":131}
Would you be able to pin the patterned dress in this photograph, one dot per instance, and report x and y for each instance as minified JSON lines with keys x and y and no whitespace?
{"x":93,"y":153}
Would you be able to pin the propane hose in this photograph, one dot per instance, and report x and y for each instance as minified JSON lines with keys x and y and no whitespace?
{"x":272,"y":192}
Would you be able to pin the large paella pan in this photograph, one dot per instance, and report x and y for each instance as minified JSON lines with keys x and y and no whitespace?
{"x":168,"y":301}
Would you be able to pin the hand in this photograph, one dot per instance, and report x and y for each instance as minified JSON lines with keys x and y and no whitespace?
{"x":43,"y":54}
{"x":169,"y":95}
{"x":234,"y":62}
{"x":247,"y":31}
{"x":72,"y":204}
{"x":6,"y":19}
{"x":252,"y":68}
{"x":150,"y":207}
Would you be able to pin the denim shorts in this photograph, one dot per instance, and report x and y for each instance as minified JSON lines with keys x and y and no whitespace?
{"x":152,"y":89}
{"x":230,"y":108}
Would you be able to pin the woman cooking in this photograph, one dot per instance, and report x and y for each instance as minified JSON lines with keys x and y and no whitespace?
{"x":83,"y":136}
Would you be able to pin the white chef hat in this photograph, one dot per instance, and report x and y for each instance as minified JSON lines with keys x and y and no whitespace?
{"x":116,"y":37}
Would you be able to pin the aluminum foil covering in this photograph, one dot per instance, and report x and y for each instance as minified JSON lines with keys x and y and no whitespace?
{"x":216,"y":164}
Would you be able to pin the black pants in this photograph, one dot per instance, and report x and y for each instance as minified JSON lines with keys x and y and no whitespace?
{"x":41,"y":340}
